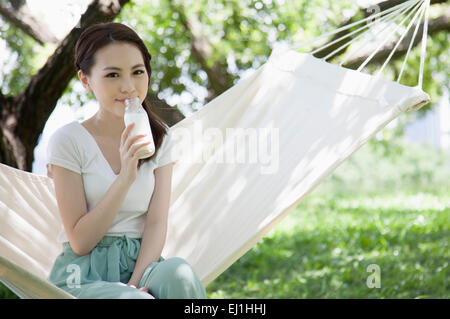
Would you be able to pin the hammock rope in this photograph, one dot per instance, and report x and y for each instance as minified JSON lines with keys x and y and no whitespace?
{"x":377,"y":34}
{"x":379,"y":25}
{"x":409,"y":48}
{"x":391,"y":34}
{"x":332,"y":32}
{"x":424,"y":44}
{"x":387,"y":18}
{"x":401,"y":38}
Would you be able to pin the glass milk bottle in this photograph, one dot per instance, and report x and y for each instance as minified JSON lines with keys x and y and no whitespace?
{"x":134,"y":112}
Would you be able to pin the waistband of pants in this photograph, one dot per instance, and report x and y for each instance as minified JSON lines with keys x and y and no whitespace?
{"x":107,"y":241}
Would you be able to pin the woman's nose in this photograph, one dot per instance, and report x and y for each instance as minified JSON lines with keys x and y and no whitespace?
{"x":127,"y":86}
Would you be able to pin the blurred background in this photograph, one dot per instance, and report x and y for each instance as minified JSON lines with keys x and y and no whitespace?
{"x":388,"y":204}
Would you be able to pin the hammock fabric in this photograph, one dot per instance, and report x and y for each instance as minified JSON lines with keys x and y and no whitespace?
{"x":315,"y":115}
{"x":324,"y":114}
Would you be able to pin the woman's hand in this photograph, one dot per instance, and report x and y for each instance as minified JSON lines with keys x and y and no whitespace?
{"x":129,"y":156}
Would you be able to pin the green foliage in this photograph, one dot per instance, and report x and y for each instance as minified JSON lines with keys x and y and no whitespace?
{"x":5,"y":293}
{"x":402,"y":166}
{"x":243,"y":31}
{"x":17,"y":67}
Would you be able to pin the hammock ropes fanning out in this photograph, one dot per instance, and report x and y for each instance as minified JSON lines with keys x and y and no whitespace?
{"x":305,"y":115}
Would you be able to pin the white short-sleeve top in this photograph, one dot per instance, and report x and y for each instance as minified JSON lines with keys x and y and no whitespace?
{"x":73,"y":147}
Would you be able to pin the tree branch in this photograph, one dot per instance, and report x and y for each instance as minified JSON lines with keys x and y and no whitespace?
{"x":18,"y":14}
{"x":391,"y":3}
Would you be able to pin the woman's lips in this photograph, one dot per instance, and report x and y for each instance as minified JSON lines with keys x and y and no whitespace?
{"x":122,"y":101}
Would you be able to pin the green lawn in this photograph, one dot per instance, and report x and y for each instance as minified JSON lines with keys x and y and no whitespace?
{"x":323,"y":249}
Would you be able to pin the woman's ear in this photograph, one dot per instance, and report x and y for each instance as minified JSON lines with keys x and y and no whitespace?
{"x":84,"y":80}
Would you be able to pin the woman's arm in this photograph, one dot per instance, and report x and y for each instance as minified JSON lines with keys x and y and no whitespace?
{"x":155,"y":228}
{"x":84,"y":229}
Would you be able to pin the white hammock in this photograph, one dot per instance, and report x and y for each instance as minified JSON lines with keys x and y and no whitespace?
{"x":219,"y":210}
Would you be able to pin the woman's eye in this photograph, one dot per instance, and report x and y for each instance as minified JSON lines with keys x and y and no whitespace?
{"x":136,"y":72}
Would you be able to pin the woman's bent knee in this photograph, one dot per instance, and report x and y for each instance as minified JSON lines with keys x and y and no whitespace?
{"x":180,"y":280}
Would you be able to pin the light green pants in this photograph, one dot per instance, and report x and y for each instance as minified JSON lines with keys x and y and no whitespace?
{"x":105,"y":271}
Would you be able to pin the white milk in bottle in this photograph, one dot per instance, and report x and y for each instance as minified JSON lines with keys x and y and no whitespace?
{"x":134,"y":112}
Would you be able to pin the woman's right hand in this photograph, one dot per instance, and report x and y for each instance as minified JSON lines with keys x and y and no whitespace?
{"x":129,"y":156}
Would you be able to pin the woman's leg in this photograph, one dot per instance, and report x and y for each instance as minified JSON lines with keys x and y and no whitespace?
{"x":172,"y":278}
{"x":100,"y":274}
{"x":107,"y":290}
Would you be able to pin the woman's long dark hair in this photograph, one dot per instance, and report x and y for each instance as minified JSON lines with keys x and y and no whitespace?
{"x":99,"y":35}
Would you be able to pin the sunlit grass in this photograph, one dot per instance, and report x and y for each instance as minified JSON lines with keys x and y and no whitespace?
{"x":323,"y":249}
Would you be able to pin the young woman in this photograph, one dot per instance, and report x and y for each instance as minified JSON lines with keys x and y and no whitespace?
{"x":113,"y":205}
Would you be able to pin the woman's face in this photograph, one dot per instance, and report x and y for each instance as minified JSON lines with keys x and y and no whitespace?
{"x":118,"y":73}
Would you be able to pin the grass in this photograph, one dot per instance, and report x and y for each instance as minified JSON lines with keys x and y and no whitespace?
{"x":323,"y":249}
